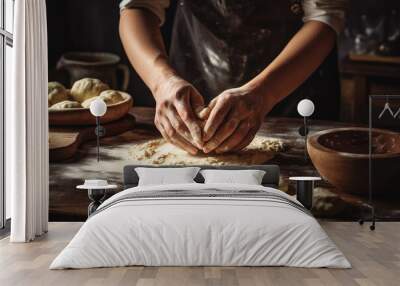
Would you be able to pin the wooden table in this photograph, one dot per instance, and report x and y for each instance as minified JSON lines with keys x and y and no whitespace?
{"x":67,"y":204}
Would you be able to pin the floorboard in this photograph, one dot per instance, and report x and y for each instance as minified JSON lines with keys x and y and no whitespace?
{"x":375,"y":257}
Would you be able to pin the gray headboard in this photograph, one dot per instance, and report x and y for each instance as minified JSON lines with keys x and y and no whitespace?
{"x":271,"y":177}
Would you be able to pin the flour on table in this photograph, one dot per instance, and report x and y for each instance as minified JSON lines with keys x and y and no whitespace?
{"x":160,"y":152}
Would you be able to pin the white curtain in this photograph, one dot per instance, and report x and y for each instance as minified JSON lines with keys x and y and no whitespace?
{"x":27,"y":124}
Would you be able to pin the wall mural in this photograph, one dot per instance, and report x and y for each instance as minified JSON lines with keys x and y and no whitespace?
{"x":87,"y":62}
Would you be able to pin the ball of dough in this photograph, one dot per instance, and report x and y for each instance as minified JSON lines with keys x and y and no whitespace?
{"x":56,"y":93}
{"x":87,"y":102}
{"x":66,"y":104}
{"x":87,"y":88}
{"x":111,"y":96}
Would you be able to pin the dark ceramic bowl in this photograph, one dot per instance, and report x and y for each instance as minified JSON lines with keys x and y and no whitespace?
{"x":341,"y":157}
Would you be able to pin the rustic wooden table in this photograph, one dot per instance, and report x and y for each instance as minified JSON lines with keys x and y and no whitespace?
{"x":68,"y":204}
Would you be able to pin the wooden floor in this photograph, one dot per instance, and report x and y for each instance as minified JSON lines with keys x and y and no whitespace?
{"x":375,"y":257}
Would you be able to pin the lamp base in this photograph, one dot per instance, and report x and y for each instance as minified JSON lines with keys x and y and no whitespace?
{"x":100,"y":131}
{"x":303,"y":131}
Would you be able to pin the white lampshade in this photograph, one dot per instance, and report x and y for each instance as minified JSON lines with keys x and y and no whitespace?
{"x":305,"y":108}
{"x":98,"y":108}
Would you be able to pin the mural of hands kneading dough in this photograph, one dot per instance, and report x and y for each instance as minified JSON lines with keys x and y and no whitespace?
{"x":225,"y":71}
{"x":228,"y":123}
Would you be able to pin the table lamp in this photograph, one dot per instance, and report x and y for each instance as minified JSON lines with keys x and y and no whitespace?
{"x":305,"y":108}
{"x":98,"y":108}
{"x":97,"y":187}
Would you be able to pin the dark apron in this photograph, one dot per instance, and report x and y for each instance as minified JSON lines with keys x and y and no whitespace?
{"x":221,"y":44}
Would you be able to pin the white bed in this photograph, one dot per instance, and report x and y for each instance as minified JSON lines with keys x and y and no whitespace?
{"x":224,"y":225}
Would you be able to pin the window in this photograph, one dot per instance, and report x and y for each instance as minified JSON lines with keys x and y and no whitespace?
{"x":6,"y":43}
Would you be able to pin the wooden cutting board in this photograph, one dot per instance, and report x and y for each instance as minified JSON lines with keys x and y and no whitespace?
{"x":64,"y":141}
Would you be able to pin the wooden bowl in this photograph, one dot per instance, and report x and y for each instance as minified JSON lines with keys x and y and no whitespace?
{"x":341,"y":157}
{"x":82,"y":116}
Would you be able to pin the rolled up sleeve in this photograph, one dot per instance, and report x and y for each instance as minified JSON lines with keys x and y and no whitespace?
{"x":157,"y":7}
{"x":330,"y":12}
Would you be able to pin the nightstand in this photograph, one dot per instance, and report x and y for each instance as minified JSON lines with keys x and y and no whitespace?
{"x":304,"y":190}
{"x":96,"y":192}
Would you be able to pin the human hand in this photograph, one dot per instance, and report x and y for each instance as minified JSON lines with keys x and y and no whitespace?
{"x":177,"y":106}
{"x":235,"y":117}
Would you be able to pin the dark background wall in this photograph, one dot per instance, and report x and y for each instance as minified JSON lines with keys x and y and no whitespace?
{"x":92,"y":25}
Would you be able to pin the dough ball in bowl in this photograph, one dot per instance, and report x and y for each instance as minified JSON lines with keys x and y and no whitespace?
{"x":87,"y":88}
{"x":56,"y":93}
{"x":111,"y":97}
{"x":87,"y":102}
{"x":67,"y":104}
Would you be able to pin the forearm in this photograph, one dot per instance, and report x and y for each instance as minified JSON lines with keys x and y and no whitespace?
{"x":297,"y":61}
{"x":142,"y":41}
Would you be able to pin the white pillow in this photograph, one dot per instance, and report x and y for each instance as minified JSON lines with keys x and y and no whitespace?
{"x":248,"y":177}
{"x":163,"y":176}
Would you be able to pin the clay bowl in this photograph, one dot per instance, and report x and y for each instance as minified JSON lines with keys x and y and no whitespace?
{"x":341,"y":157}
{"x":82,"y":116}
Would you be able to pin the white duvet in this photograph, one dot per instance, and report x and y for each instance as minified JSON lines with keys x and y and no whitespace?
{"x":188,"y":231}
